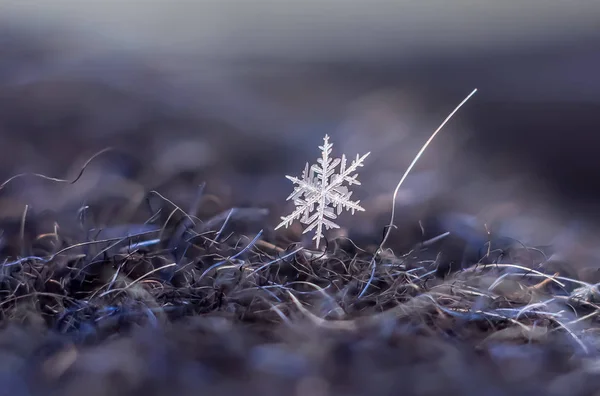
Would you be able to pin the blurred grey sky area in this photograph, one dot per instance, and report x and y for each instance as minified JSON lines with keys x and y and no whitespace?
{"x":321,"y":30}
{"x":510,"y":49}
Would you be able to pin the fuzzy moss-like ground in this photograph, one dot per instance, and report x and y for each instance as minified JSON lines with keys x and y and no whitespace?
{"x":166,"y":300}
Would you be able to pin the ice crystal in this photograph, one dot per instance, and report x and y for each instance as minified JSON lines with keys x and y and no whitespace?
{"x":321,"y":190}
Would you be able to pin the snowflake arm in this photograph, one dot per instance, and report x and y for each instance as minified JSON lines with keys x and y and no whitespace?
{"x":320,"y":187}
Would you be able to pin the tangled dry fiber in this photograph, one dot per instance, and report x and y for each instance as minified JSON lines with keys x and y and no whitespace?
{"x":206,"y":301}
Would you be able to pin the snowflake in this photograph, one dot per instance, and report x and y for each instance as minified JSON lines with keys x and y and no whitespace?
{"x":322,"y":186}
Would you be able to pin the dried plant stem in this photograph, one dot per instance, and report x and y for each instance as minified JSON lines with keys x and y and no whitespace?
{"x":412,"y":164}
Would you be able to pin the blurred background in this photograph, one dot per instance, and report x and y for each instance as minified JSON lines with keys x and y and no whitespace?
{"x":239,"y":94}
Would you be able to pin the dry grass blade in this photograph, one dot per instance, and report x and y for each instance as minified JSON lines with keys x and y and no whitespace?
{"x":404,"y":176}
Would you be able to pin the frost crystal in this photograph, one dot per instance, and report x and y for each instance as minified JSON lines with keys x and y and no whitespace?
{"x":322,"y":187}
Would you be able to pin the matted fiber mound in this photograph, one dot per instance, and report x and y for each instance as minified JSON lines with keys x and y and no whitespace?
{"x":206,"y":303}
